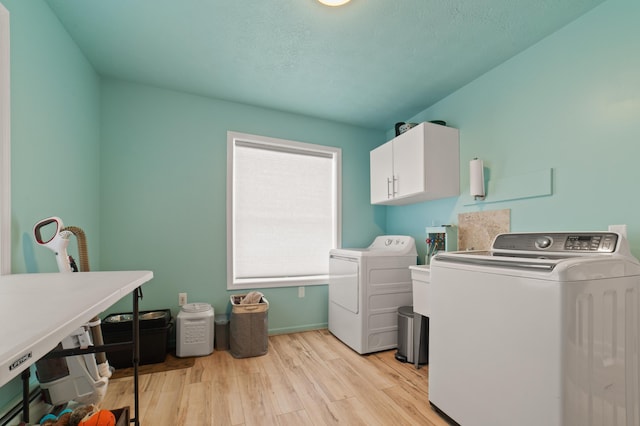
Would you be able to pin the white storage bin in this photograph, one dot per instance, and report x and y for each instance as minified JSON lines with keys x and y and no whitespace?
{"x":195,"y":329}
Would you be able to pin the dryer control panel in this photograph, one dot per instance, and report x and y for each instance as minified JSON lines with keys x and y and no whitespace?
{"x":598,"y":242}
{"x":394,"y":243}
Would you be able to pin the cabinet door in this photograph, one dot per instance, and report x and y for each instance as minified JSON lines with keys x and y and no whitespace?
{"x":408,"y":162}
{"x":381,"y":173}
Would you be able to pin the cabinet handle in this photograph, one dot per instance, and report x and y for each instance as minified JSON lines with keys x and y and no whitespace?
{"x":395,"y":190}
{"x":389,"y":194}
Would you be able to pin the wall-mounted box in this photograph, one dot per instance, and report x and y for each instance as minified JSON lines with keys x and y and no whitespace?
{"x":419,"y":165}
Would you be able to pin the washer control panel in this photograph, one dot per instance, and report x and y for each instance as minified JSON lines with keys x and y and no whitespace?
{"x":591,"y":242}
{"x":598,"y":242}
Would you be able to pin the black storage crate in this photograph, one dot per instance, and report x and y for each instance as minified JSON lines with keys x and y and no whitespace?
{"x":155,"y":327}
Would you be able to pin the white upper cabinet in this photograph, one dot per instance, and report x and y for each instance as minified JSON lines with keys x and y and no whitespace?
{"x":381,"y":172}
{"x":419,"y":165}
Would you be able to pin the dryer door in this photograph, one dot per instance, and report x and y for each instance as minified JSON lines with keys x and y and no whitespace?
{"x":343,"y":282}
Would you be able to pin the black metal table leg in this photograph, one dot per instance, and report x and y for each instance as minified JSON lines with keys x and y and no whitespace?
{"x":136,"y":354}
{"x":26,"y":374}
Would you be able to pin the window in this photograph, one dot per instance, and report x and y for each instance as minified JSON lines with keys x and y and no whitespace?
{"x":283,"y":211}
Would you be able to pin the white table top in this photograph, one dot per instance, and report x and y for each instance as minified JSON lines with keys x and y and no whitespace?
{"x":37,"y":311}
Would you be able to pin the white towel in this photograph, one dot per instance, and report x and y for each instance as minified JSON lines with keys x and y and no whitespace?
{"x":251,"y":298}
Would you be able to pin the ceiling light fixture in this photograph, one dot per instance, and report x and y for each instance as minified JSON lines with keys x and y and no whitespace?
{"x":334,"y":2}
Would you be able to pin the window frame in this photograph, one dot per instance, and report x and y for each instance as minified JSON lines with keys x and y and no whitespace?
{"x":275,"y":144}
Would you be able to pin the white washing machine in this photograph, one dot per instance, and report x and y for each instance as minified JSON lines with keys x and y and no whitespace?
{"x":366,"y":287}
{"x":543,"y":329}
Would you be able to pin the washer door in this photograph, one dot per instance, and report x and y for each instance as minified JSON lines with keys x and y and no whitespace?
{"x":343,"y":282}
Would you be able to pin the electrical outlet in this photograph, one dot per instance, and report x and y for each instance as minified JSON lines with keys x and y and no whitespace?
{"x":300,"y":292}
{"x":182,"y":299}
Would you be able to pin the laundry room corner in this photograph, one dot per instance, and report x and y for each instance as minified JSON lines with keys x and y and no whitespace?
{"x":175,"y":223}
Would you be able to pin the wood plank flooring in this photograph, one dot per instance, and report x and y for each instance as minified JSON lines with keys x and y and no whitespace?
{"x":308,"y":378}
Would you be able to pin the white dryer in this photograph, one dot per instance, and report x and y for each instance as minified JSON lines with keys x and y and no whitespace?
{"x":366,"y":287}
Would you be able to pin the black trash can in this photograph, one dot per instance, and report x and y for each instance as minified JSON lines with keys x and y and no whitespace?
{"x":221,"y":333}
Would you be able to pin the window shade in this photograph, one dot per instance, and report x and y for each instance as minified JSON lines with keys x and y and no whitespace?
{"x":284,"y":211}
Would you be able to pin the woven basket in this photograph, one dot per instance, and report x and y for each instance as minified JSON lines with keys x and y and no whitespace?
{"x":248,"y":328}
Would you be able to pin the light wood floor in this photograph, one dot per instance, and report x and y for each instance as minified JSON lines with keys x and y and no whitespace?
{"x":308,"y":378}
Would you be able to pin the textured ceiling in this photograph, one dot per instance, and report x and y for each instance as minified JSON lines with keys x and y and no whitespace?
{"x":370,"y":63}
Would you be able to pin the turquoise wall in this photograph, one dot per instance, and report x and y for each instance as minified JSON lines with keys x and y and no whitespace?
{"x":570,"y":103}
{"x":55,"y":132}
{"x":163,"y":194}
{"x":54,"y":139}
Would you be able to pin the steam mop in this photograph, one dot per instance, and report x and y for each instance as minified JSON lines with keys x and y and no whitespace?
{"x":80,"y":378}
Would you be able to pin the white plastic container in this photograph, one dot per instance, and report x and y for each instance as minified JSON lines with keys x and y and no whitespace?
{"x":194,"y":335}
